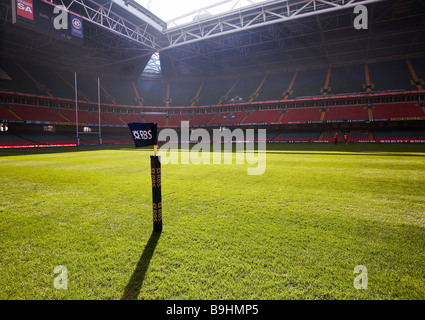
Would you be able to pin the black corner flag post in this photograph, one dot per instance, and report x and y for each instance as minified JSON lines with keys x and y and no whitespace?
{"x":145,"y":134}
{"x":156,"y":191}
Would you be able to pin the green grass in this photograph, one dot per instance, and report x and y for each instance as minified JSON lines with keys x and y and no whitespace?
{"x":295,"y":232}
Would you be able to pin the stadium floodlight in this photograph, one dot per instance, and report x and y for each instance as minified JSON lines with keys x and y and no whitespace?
{"x":4,"y":127}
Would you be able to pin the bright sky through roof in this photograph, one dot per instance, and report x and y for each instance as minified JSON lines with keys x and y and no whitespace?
{"x":172,"y":12}
{"x":168,"y":10}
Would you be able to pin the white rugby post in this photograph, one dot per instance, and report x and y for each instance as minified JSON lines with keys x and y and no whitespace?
{"x":76,"y":106}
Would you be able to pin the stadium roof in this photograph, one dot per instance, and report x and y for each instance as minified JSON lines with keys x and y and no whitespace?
{"x":176,"y":13}
{"x":120,"y":36}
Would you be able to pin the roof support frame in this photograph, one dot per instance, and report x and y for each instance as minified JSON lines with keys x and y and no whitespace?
{"x":253,"y":17}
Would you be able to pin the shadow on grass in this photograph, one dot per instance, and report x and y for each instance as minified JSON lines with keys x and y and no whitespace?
{"x":133,"y":287}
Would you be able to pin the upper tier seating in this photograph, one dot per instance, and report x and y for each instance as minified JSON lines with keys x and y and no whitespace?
{"x":40,"y":80}
{"x":347,"y":79}
{"x":390,"y":75}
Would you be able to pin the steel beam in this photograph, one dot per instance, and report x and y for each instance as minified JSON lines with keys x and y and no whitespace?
{"x":254,"y":16}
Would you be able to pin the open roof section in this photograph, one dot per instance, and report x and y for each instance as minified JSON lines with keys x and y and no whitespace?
{"x":216,"y":8}
{"x":143,"y":14}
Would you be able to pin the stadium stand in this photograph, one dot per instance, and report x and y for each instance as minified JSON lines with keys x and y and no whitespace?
{"x":119,"y":91}
{"x":213,"y":90}
{"x":385,"y":76}
{"x":228,"y":118}
{"x":110,"y":138}
{"x":112,"y":119}
{"x":271,"y":136}
{"x":83,"y":116}
{"x":397,"y":110}
{"x":309,"y":83}
{"x":347,"y":79}
{"x":201,"y":119}
{"x":353,"y":136}
{"x":183,"y":92}
{"x":297,"y":137}
{"x":219,"y":91}
{"x":47,"y":138}
{"x":131,"y":117}
{"x":157,"y":118}
{"x":263,"y":116}
{"x":152,"y":93}
{"x":6,"y":113}
{"x":175,"y":120}
{"x":8,"y":139}
{"x":390,"y":75}
{"x":397,"y":135}
{"x":301,"y":115}
{"x":19,"y":81}
{"x":36,"y":113}
{"x":245,"y":88}
{"x":342,"y":113}
{"x":275,"y":86}
{"x":227,"y":82}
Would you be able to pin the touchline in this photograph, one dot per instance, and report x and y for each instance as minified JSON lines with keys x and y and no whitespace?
{"x":222,"y":141}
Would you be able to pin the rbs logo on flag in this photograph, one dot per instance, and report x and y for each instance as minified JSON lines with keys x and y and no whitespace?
{"x":144,"y":134}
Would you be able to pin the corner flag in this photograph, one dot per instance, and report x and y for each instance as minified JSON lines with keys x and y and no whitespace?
{"x":145,"y":134}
